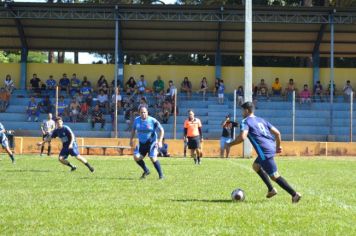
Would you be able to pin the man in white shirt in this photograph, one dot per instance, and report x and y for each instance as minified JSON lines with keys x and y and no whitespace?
{"x":47,"y":128}
{"x":103,"y":101}
{"x":141,"y":85}
{"x":347,"y":90}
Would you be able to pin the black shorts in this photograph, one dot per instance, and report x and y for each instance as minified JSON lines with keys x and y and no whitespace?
{"x":194,"y":142}
{"x":44,"y":136}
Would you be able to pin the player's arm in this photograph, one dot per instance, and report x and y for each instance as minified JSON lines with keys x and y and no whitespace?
{"x":278,"y":138}
{"x":133,"y":131}
{"x":71,"y":138}
{"x":239,"y":139}
{"x":161,"y":134}
{"x":200,"y":134}
{"x":185,"y":132}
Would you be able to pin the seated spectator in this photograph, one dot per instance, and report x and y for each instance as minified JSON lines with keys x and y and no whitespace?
{"x":4,"y":99}
{"x":45,"y":106}
{"x":9,"y":84}
{"x":318,"y":91}
{"x":80,"y":98}
{"x":165,"y":112}
{"x":35,"y":85}
{"x":163,"y":151}
{"x":103,"y":101}
{"x":158,"y":85}
{"x":85,"y":82}
{"x":240,"y":95}
{"x":51,"y":86}
{"x":216,"y":86}
{"x":203,"y":86}
{"x":305,"y":95}
{"x":89,"y":100}
{"x":186,"y":87}
{"x":83,"y":113}
{"x":62,"y":108}
{"x":289,"y":89}
{"x":221,"y":91}
{"x":105,"y":89}
{"x":130,"y":86}
{"x":64,"y":84}
{"x":276,"y":88}
{"x":262,"y":89}
{"x":85,"y":91}
{"x":347,"y":90}
{"x":32,"y":109}
{"x":129,"y":113}
{"x":74,"y":110}
{"x":171,"y":91}
{"x":142,"y":103}
{"x":329,"y":89}
{"x":102,"y":84}
{"x":160,"y":98}
{"x":97,"y":117}
{"x":74,"y":85}
{"x":142,"y":85}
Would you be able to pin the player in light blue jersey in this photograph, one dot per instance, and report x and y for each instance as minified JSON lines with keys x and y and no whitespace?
{"x":5,"y":143}
{"x":146,"y":126}
{"x":70,"y":146}
{"x":266,"y":140}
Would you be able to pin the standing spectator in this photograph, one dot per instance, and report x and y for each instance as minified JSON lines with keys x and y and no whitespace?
{"x":9,"y":84}
{"x":240,"y":95}
{"x":103,"y":101}
{"x":216,"y":85}
{"x":227,"y":135}
{"x":203,"y":86}
{"x":318,"y":91}
{"x":62,"y":107}
{"x":186,"y":87}
{"x":289,"y":89}
{"x":276,"y":88}
{"x":163,"y":151}
{"x":45,"y":106}
{"x":221,"y":91}
{"x":262,"y":89}
{"x":32,"y":109}
{"x":64,"y":84}
{"x":74,"y":109}
{"x":51,"y":86}
{"x":158,"y":85}
{"x":35,"y":85}
{"x":347,"y":90}
{"x":130,"y":86}
{"x":85,"y":82}
{"x":74,"y":85}
{"x":141,"y":85}
{"x":97,"y":117}
{"x":4,"y":99}
{"x":305,"y":95}
{"x":193,"y":133}
{"x":329,"y":89}
{"x":47,"y":127}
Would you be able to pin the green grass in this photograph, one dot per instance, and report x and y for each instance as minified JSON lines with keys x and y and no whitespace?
{"x":39,"y":196}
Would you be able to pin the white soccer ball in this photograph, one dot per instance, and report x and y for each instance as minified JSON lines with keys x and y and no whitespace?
{"x":238,"y":195}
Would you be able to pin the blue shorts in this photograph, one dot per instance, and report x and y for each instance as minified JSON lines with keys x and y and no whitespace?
{"x":150,"y":148}
{"x":269,"y":165}
{"x":65,"y":152}
{"x":224,"y":141}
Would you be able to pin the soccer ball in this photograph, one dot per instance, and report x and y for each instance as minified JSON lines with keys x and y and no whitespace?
{"x":238,"y":195}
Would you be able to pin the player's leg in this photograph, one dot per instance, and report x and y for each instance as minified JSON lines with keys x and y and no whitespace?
{"x":63,"y":155}
{"x":43,"y":144}
{"x":154,"y":159}
{"x":139,"y":154}
{"x":75,"y":152}
{"x":49,"y":148}
{"x":5,"y":144}
{"x":263,"y":175}
{"x":227,"y":148}
{"x":192,"y":148}
{"x":198,"y":149}
{"x":222,"y":146}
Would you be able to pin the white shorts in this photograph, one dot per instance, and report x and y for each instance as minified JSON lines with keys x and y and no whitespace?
{"x":221,"y":95}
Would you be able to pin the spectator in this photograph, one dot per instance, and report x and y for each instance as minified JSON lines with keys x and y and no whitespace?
{"x":216,"y":86}
{"x":105,"y":89}
{"x":158,"y":85}
{"x":130,"y":113}
{"x":35,"y":85}
{"x":74,"y":110}
{"x":203,"y":86}
{"x":118,"y":83}
{"x":171,"y":91}
{"x":9,"y":84}
{"x":318,"y":91}
{"x":130,"y":86}
{"x":85,"y":82}
{"x":186,"y":87}
{"x":86,"y":90}
{"x":32,"y":109}
{"x":305,"y":95}
{"x":141,"y":85}
{"x":62,"y":108}
{"x":165,"y":112}
{"x":221,"y":91}
{"x":74,"y":85}
{"x":240,"y":95}
{"x":227,"y":135}
{"x":262,"y":89}
{"x":142,"y":103}
{"x":64,"y":83}
{"x":160,"y":98}
{"x":347,"y":91}
{"x":4,"y":99}
{"x":51,"y":86}
{"x":103,"y":84}
{"x":276,"y":88}
{"x":83,"y":113}
{"x":97,"y":117}
{"x":329,"y":89}
{"x":289,"y":89}
{"x":45,"y":106}
{"x":118,"y":100}
{"x":103,"y":101}
{"x":80,"y":98}
{"x":163,"y":151}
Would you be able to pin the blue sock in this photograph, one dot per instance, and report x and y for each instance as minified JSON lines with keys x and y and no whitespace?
{"x":143,"y":166}
{"x":158,"y":168}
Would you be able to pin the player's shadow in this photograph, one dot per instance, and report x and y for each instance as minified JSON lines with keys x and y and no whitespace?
{"x":203,"y":200}
{"x":34,"y":171}
{"x":107,"y":178}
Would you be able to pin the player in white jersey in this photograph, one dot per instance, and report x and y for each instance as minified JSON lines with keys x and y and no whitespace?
{"x":47,"y":128}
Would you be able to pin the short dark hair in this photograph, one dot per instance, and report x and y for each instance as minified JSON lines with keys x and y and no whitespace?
{"x":248,"y":106}
{"x":58,"y":118}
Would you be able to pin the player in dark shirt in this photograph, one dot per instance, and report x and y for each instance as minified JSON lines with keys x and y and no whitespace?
{"x":259,"y":132}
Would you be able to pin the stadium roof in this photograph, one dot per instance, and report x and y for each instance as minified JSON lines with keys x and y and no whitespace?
{"x":293,"y":31}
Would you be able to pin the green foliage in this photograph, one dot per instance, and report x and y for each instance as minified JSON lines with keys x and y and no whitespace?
{"x":39,"y":196}
{"x":15,"y":57}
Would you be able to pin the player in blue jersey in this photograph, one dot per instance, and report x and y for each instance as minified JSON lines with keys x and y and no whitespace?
{"x":70,"y":146}
{"x":259,"y":132}
{"x":146,"y":126}
{"x":5,"y":142}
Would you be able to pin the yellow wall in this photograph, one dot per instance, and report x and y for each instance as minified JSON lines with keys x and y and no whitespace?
{"x":233,"y":76}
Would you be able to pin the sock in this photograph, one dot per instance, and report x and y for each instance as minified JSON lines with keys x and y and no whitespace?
{"x":89,"y":166}
{"x":158,"y":168}
{"x":70,"y":165}
{"x":284,"y":184}
{"x":265,"y":179}
{"x":42,"y":148}
{"x":12,"y":157}
{"x":142,"y":164}
{"x":49,"y":151}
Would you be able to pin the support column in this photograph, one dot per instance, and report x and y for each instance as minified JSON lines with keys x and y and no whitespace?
{"x":316,"y":67}
{"x":24,"y":54}
{"x":331,"y":71}
{"x":218,"y":55}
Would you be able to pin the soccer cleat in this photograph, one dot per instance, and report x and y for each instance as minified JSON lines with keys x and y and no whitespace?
{"x":145,"y":174}
{"x":296,"y":198}
{"x":195,"y":161}
{"x":41,"y":154}
{"x":92,"y":170}
{"x":161,"y":177}
{"x":74,"y":168}
{"x":271,"y":193}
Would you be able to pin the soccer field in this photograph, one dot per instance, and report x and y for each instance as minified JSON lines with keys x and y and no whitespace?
{"x":40,"y":196}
